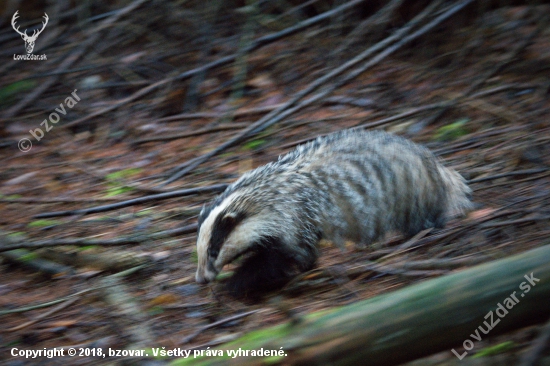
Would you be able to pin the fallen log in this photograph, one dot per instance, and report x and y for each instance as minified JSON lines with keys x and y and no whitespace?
{"x":446,"y":313}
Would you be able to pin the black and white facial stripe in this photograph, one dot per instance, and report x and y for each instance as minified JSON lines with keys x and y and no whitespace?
{"x":223,"y":237}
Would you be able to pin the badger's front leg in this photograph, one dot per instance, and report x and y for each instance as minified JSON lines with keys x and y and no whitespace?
{"x":266,"y":269}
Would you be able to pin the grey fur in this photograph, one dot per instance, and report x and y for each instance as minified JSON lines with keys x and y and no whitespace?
{"x":351,"y":185}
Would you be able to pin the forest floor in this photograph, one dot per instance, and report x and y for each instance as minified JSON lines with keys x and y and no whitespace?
{"x":496,"y":133}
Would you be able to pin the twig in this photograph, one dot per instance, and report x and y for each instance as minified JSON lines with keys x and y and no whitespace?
{"x":192,"y":336}
{"x":187,"y":229}
{"x":200,"y":115}
{"x":50,"y":303}
{"x":509,"y":174}
{"x":379,"y":18}
{"x":497,"y":111}
{"x":501,"y":88}
{"x":540,"y":132}
{"x":68,"y":242}
{"x":408,"y":113}
{"x":470,"y":144}
{"x":135,"y":201}
{"x":44,"y":304}
{"x":408,"y":244}
{"x":445,"y":263}
{"x":42,"y":200}
{"x":46,"y":314}
{"x":515,"y":222}
{"x":386,"y":269}
{"x":203,"y":131}
{"x":477,"y":189}
{"x":26,"y":259}
{"x":119,"y":182}
{"x":289,"y":12}
{"x":186,"y":306}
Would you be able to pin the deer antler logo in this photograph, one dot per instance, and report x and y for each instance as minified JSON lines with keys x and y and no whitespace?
{"x":29,"y":40}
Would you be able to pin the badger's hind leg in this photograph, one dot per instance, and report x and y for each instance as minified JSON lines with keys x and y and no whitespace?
{"x":269,"y":268}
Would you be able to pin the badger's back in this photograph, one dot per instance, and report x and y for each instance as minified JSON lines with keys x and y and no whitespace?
{"x":367,"y":183}
{"x":374,"y":182}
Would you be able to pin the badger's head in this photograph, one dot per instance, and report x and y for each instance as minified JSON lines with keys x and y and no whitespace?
{"x":228,"y":229}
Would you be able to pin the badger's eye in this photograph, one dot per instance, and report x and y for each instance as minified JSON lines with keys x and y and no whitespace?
{"x":222,"y":229}
{"x":213,"y":253}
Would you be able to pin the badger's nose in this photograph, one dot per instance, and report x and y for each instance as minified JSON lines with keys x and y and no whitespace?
{"x":199,"y":277}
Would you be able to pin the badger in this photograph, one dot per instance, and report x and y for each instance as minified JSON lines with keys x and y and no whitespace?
{"x":347,"y":186}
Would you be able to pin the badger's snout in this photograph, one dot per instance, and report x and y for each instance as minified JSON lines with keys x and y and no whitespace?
{"x":204,"y":275}
{"x":199,"y":277}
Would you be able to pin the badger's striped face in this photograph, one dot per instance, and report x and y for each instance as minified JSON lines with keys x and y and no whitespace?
{"x":224,"y":234}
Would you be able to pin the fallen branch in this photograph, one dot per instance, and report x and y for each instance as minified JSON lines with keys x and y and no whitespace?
{"x":385,"y":269}
{"x":69,"y":242}
{"x":43,"y":305}
{"x":192,"y":336}
{"x":545,"y":174}
{"x":136,"y":201}
{"x":187,"y":229}
{"x":24,"y":258}
{"x":380,"y":18}
{"x":59,"y":307}
{"x":200,"y":115}
{"x":516,"y":222}
{"x":77,"y":242}
{"x":203,"y":131}
{"x":509,"y":174}
{"x":42,"y":200}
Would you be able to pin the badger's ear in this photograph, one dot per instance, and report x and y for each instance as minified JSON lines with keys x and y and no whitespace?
{"x":232,"y":219}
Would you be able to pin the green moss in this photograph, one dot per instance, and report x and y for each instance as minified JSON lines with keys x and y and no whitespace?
{"x":252,"y":145}
{"x":123,"y":174}
{"x":9,"y":92}
{"x":496,"y":349}
{"x":452,"y":131}
{"x":43,"y":223}
{"x":16,"y":235}
{"x":115,"y":187}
